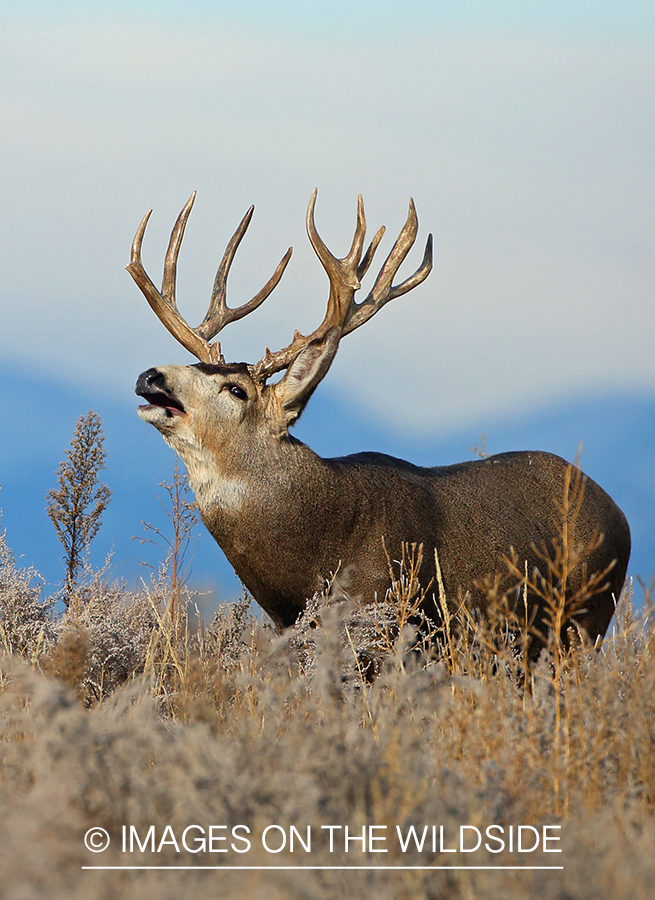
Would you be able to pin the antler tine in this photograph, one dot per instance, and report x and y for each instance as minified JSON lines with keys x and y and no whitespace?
{"x":352,"y":260}
{"x":344,"y":281}
{"x":170,"y":261}
{"x":219,"y":313}
{"x":418,"y":277}
{"x":345,"y":270}
{"x":383,"y":290}
{"x":363,"y":267}
{"x":162,"y":302}
{"x":355,"y":252}
{"x":343,"y":313}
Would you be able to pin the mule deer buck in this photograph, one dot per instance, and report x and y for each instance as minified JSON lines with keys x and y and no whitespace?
{"x":287,"y":519}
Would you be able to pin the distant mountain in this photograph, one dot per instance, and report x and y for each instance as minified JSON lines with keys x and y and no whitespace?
{"x":39,"y":417}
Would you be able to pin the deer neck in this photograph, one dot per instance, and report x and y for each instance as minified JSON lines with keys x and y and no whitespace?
{"x":229,"y":486}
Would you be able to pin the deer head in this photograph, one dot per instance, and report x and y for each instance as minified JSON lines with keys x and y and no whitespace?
{"x":231,"y":395}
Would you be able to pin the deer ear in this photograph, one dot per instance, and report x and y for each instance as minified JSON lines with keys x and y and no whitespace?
{"x":304,"y":374}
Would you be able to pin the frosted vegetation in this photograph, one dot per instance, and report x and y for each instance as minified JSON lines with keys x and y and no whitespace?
{"x":127,"y":711}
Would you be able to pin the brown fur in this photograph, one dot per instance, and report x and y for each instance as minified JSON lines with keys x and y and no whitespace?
{"x":287,"y":519}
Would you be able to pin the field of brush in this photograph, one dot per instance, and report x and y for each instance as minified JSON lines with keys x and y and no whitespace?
{"x":224,"y":745}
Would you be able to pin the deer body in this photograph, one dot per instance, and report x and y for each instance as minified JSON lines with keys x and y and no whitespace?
{"x":364,"y":506}
{"x":288,"y":520}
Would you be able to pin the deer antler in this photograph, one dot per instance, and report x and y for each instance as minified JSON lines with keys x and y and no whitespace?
{"x":197,"y":340}
{"x":343,"y":313}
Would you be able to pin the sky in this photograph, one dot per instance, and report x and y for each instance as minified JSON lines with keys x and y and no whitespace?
{"x":525,"y":139}
{"x":524,"y":131}
{"x":336,"y":15}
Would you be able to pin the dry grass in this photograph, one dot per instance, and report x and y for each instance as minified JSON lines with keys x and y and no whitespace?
{"x":123,"y":714}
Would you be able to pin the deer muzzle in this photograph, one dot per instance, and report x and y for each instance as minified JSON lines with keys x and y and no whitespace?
{"x":151,"y":385}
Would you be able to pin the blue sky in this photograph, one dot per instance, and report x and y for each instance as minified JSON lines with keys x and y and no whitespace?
{"x":524,"y":132}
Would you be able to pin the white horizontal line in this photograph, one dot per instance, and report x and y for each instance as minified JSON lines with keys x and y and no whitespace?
{"x":324,"y":868}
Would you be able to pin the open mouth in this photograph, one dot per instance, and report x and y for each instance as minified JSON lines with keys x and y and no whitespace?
{"x":158,"y":399}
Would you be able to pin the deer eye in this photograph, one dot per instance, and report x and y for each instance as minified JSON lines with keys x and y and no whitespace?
{"x":237,"y":391}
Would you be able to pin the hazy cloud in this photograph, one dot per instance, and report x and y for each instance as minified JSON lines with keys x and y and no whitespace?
{"x":529,"y":157}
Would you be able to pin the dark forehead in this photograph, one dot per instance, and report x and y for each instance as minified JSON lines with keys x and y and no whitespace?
{"x":222,"y":368}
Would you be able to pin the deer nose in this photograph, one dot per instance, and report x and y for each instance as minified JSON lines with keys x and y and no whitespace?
{"x":149,"y":382}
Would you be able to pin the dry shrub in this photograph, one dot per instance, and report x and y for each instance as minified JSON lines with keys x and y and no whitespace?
{"x":26,"y":623}
{"x":106,"y":630}
{"x":68,"y":660}
{"x":418,"y":746}
{"x":229,"y":725}
{"x":192,"y":666}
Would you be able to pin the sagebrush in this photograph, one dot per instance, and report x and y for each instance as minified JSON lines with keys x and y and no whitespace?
{"x":125,"y":715}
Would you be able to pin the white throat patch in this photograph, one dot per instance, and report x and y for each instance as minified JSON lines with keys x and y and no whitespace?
{"x":213,"y":489}
{"x":227,"y":493}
